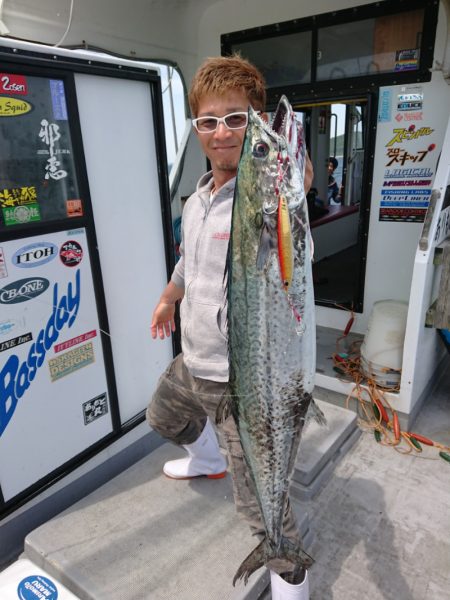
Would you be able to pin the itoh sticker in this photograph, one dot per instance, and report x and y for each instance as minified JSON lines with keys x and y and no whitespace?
{"x":21,"y":214}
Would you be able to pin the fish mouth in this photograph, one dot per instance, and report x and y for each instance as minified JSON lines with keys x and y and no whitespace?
{"x":279,"y":119}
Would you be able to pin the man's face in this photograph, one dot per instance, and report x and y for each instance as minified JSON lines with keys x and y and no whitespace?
{"x":330,"y":168}
{"x":223,"y":146}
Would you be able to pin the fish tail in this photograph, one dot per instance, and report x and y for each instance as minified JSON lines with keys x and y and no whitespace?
{"x":263,"y":553}
{"x":256,"y":559}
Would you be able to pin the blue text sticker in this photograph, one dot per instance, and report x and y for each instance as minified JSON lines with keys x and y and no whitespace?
{"x":384,"y":106}
{"x":37,"y":587}
{"x":58,"y":99}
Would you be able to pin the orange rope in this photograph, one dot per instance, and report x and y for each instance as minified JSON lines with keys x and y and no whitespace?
{"x":375,"y":411}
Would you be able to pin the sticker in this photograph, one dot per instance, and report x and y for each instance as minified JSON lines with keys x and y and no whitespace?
{"x":410,"y":133}
{"x":74,"y":341}
{"x":13,"y":107}
{"x":384,"y":106}
{"x":21,"y":214}
{"x":23,"y":290}
{"x":405,"y":198}
{"x":399,"y":155}
{"x":74,"y":208}
{"x":21,"y":339}
{"x":409,"y":116}
{"x":406,"y":173}
{"x":407,"y":182}
{"x":3,"y":270}
{"x":34,"y":255}
{"x":71,"y":253}
{"x":407,"y":60}
{"x":37,"y":587}
{"x":8,"y":325}
{"x":49,"y":134}
{"x":13,"y":84}
{"x":71,"y":361}
{"x":407,"y":206}
{"x":75,"y":231}
{"x":16,"y":377}
{"x":95,"y":408}
{"x":58,"y":99}
{"x":403,"y":215}
{"x":10,"y":197}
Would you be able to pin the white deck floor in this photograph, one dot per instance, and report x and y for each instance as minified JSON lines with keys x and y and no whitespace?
{"x":378,"y":528}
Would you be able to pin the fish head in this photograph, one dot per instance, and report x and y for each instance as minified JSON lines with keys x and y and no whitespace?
{"x":286,"y":124}
{"x":259,"y":165}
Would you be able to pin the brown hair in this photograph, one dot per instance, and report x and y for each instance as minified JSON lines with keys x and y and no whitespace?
{"x":223,"y":73}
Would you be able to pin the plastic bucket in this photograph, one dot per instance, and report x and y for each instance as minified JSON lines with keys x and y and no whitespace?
{"x":382,"y":376}
{"x":385,"y":336}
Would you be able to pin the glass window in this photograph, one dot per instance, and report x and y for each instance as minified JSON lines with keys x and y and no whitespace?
{"x":285,"y":59}
{"x":380,"y":45}
{"x":38,"y":178}
{"x":174,"y":107}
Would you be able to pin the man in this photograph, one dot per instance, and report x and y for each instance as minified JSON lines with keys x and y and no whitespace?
{"x":185,"y":403}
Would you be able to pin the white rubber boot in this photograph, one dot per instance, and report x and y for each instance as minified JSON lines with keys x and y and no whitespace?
{"x":282,"y":590}
{"x":204,"y":458}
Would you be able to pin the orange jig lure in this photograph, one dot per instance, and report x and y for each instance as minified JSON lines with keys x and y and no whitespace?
{"x":285,"y":250}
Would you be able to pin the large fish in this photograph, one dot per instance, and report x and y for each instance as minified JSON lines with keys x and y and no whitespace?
{"x":271,"y":319}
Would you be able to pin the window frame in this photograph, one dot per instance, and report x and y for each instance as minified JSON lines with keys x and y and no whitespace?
{"x":317,"y":22}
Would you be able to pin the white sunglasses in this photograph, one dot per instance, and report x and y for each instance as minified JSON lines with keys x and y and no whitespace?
{"x":235,"y":120}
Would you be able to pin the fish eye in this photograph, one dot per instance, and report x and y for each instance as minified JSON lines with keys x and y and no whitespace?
{"x":260,"y":149}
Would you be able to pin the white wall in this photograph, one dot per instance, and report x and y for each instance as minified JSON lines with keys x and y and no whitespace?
{"x":164,"y":29}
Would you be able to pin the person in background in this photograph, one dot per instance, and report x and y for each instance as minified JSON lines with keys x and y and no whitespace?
{"x":333,"y":188}
{"x":184,"y":405}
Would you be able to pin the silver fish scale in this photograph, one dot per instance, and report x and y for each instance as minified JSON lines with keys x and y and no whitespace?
{"x":272,"y":357}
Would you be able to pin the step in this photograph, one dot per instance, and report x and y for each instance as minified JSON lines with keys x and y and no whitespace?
{"x":320,"y":449}
{"x":143,"y":536}
{"x":24,"y":580}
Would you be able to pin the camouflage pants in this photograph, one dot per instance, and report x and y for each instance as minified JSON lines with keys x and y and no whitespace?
{"x":178,"y":411}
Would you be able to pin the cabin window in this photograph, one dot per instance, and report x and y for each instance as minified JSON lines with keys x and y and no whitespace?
{"x":370,"y":46}
{"x":388,"y":42}
{"x":284,"y":60}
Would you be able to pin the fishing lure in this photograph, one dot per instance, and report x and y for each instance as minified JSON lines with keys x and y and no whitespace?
{"x":285,"y":250}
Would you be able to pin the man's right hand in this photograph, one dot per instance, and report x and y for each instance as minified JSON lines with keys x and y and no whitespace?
{"x":163,"y":320}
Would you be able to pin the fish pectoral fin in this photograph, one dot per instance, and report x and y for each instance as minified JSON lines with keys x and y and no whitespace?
{"x":315,"y":413}
{"x":266,"y":244}
{"x":224,"y":409}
